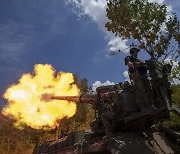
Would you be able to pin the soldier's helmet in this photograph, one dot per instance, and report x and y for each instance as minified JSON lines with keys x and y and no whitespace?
{"x":134,"y":49}
{"x":125,"y":85}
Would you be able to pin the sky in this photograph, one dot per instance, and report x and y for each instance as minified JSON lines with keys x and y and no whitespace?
{"x":68,"y":34}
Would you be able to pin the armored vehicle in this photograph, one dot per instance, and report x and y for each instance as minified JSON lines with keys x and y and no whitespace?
{"x":135,"y":131}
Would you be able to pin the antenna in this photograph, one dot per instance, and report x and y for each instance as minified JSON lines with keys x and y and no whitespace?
{"x":112,"y":53}
{"x":134,"y":46}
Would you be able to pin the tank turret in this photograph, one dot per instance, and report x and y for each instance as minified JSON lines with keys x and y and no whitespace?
{"x":147,"y":100}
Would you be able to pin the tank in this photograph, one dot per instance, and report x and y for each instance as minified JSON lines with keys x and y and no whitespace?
{"x":149,"y":93}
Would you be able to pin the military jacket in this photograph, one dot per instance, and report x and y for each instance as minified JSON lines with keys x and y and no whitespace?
{"x":131,"y":59}
{"x":117,"y":104}
{"x":123,"y":102}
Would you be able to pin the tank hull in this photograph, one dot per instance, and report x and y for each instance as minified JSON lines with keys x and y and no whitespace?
{"x":147,"y":142}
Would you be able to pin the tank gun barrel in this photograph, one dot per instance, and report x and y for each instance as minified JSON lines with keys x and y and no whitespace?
{"x":82,"y":98}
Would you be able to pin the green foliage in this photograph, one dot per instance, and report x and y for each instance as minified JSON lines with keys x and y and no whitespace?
{"x":82,"y":83}
{"x":15,"y":141}
{"x":143,"y":21}
{"x":175,"y":73}
{"x":176,"y":94}
{"x":174,"y":119}
{"x":12,"y":140}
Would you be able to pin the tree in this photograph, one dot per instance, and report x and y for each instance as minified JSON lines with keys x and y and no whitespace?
{"x":175,"y":73}
{"x":13,"y":140}
{"x":156,"y":30}
{"x":20,"y":141}
{"x":176,"y":94}
{"x":81,"y":83}
{"x":175,"y":120}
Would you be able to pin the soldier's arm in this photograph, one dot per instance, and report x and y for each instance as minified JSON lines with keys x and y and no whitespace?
{"x":128,"y":62}
{"x":118,"y":108}
{"x":118,"y":104}
{"x":110,"y":97}
{"x":130,"y":65}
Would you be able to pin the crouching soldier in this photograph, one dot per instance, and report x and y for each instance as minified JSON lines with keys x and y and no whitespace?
{"x":123,"y":104}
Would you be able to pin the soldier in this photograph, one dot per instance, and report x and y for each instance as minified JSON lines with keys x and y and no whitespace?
{"x":122,"y":104}
{"x":138,"y":74}
{"x":131,"y":61}
{"x":108,"y":117}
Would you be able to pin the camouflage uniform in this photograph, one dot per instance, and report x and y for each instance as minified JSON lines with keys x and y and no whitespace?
{"x":109,"y":117}
{"x":123,"y":104}
{"x":138,"y":74}
{"x":135,"y":61}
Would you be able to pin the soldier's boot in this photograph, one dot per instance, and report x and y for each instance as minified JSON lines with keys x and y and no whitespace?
{"x":109,"y":133}
{"x":107,"y":119}
{"x":108,"y":136}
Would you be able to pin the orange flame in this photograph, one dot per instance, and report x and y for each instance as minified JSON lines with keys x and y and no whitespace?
{"x":25,"y":103}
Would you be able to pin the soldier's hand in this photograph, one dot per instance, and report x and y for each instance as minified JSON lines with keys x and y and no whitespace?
{"x":112,"y":106}
{"x":130,"y":65}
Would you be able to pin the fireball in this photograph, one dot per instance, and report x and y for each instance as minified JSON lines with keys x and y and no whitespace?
{"x":25,"y":103}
